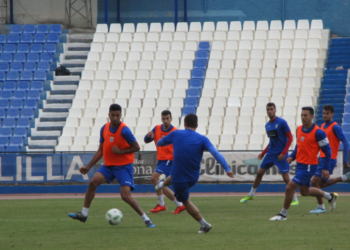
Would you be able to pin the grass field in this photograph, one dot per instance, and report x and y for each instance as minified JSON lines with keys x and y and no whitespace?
{"x":44,"y":224}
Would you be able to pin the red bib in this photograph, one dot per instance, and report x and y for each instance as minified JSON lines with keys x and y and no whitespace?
{"x":166,"y":152}
{"x":334,"y":142}
{"x":308,"y":147}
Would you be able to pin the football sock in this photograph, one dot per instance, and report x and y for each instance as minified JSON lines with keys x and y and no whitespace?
{"x":344,"y":178}
{"x":178,"y":203}
{"x":284,"y":212}
{"x":321,"y":206}
{"x":161,"y":200}
{"x":295,"y":198}
{"x":327,"y":196}
{"x":203,"y":222}
{"x":85,"y":211}
{"x":252,"y":192}
{"x":145,"y":217}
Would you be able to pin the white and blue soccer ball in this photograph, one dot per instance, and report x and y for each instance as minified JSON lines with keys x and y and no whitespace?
{"x":114,"y":216}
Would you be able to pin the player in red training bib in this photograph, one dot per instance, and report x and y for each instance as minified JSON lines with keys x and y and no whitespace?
{"x":165,"y":161}
{"x":117,"y":147}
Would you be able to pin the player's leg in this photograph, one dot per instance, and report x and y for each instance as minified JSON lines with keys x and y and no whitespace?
{"x":317,"y":182}
{"x":284,"y":168}
{"x":161,"y":204}
{"x":330,"y":197}
{"x":163,"y":183}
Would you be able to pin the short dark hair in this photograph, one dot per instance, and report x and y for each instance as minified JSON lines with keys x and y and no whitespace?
{"x":166,"y":112}
{"x":191,"y":120}
{"x":310,"y":109}
{"x":115,"y":107}
{"x":271,"y":104}
{"x":329,"y":108}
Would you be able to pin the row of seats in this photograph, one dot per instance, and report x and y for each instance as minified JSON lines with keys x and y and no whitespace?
{"x":30,"y":57}
{"x":27,"y":66}
{"x":20,"y":94}
{"x":22,"y":85}
{"x":8,"y":132}
{"x":210,"y":26}
{"x":25,"y":48}
{"x":32,"y":29}
{"x":18,"y":111}
{"x":12,"y":141}
{"x":38,"y":75}
{"x":17,"y":103}
{"x":29,"y":38}
{"x":15,"y":123}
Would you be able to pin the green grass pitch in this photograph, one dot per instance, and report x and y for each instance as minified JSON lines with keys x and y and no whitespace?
{"x":44,"y":224}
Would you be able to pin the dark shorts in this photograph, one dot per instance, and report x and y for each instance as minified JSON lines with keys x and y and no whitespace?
{"x":182,"y":189}
{"x":124,"y":174}
{"x":320,"y":167}
{"x":304,"y":174}
{"x":270,"y":160}
{"x":164,"y":167}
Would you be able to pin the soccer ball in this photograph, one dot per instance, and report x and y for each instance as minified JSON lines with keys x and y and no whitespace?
{"x":114,"y":216}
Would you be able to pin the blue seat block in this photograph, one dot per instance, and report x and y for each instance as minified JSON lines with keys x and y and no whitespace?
{"x":39,"y":38}
{"x":46,"y":57}
{"x":30,"y":66}
{"x":20,"y":57}
{"x":49,"y":47}
{"x":2,"y":75}
{"x":45,"y":66}
{"x":33,"y":94}
{"x":31,"y":103}
{"x":56,"y":28}
{"x":4,"y":66}
{"x":42,"y":28}
{"x":20,"y":94}
{"x":191,"y":102}
{"x":202,"y":55}
{"x":26,"y":76}
{"x":200,"y":64}
{"x":53,"y":38}
{"x":9,"y":123}
{"x":16,"y":29}
{"x":2,"y":114}
{"x":23,"y":48}
{"x":23,"y":85}
{"x":6,"y":94}
{"x":27,"y":113}
{"x":2,"y":39}
{"x":22,"y":132}
{"x":10,"y":86}
{"x":188,"y":110}
{"x":27,"y":38}
{"x":1,"y":48}
{"x":6,"y":58}
{"x":13,"y":113}
{"x":4,"y":104}
{"x":196,"y":83}
{"x":204,"y":46}
{"x":2,"y":149}
{"x":29,"y":28}
{"x":16,"y":66}
{"x":23,"y":123}
{"x":10,"y":48}
{"x":36,"y":48}
{"x":16,"y":141}
{"x":12,"y":149}
{"x":13,"y":38}
{"x":16,"y":103}
{"x":4,"y":141}
{"x":40,"y":75}
{"x":37,"y":85}
{"x":194,"y":93}
{"x":198,"y":73}
{"x":346,"y":118}
{"x":12,"y":76}
{"x":33,"y":57}
{"x":6,"y":132}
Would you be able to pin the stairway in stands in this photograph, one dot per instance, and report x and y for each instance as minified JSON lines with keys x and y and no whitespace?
{"x":53,"y":115}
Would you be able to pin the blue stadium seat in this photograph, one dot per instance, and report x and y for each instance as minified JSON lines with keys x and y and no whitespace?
{"x":31,"y":103}
{"x":346,"y":118}
{"x":202,"y":55}
{"x":53,"y":38}
{"x":36,"y":48}
{"x":193,"y":93}
{"x":30,"y":66}
{"x":2,"y":76}
{"x":26,"y":76}
{"x":2,"y":149}
{"x":40,"y":75}
{"x":6,"y":58}
{"x":204,"y":46}
{"x":191,"y":102}
{"x":2,"y":114}
{"x":2,"y":39}
{"x":12,"y":149}
{"x":27,"y":113}
{"x":19,"y":57}
{"x":37,"y":85}
{"x":56,"y":28}
{"x":27,"y":38}
{"x":196,"y":83}
{"x":16,"y":141}
{"x":6,"y":94}
{"x":347,"y":109}
{"x":198,"y":73}
{"x":16,"y":66}
{"x":4,"y":104}
{"x":20,"y":94}
{"x":4,"y":66}
{"x":23,"y":123}
{"x":346,"y":127}
{"x":46,"y":57}
{"x":13,"y":113}
{"x":10,"y":85}
{"x":42,"y":28}
{"x":5,"y":132}
{"x":23,"y":85}
{"x":33,"y":57}
{"x":12,"y":76}
{"x":9,"y":123}
{"x":22,"y":132}
{"x":39,"y":38}
{"x":45,"y":66}
{"x":48,"y":47}
{"x":29,"y":28}
{"x":0,"y":48}
{"x":10,"y":48}
{"x":4,"y":141}
{"x":33,"y":94}
{"x":188,"y":110}
{"x":200,"y":64}
{"x":16,"y":29}
{"x":13,"y":38}
{"x":16,"y":103}
{"x":23,"y":48}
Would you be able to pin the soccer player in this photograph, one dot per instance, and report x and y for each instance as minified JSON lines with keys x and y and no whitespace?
{"x":310,"y":140}
{"x":165,"y":160}
{"x":117,"y":147}
{"x":188,"y":153}
{"x":276,"y":151}
{"x":335,"y":136}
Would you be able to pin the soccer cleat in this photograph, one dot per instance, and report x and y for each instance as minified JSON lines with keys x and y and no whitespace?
{"x":278,"y":217}
{"x":318,"y":210}
{"x":247,"y":198}
{"x":78,"y":216}
{"x":348,"y":176}
{"x":158,"y":187}
{"x":205,"y":229}
{"x":295,"y":202}
{"x":179,"y":210}
{"x":332,"y":202}
{"x":158,"y":209}
{"x":150,"y":224}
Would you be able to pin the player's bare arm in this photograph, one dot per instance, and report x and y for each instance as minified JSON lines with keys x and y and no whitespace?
{"x":230,"y":174}
{"x":281,"y":157}
{"x":346,"y":165}
{"x":98,"y":155}
{"x":134,"y":147}
{"x":289,"y":160}
{"x":150,"y":134}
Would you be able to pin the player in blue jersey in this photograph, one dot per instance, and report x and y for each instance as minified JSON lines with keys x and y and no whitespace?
{"x":335,"y":136}
{"x":188,"y":152}
{"x":276,"y":151}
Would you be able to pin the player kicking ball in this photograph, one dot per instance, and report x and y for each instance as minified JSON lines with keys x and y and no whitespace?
{"x":117,"y":147}
{"x":310,"y":140}
{"x":165,"y":160}
{"x":276,"y":151}
{"x":335,"y":136}
{"x":188,"y":153}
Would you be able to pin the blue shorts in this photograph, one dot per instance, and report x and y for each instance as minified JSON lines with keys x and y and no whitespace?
{"x":304,"y":174}
{"x":181,"y":189}
{"x":321,"y":166}
{"x":164,"y":167}
{"x":124,"y":174}
{"x":270,"y":160}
